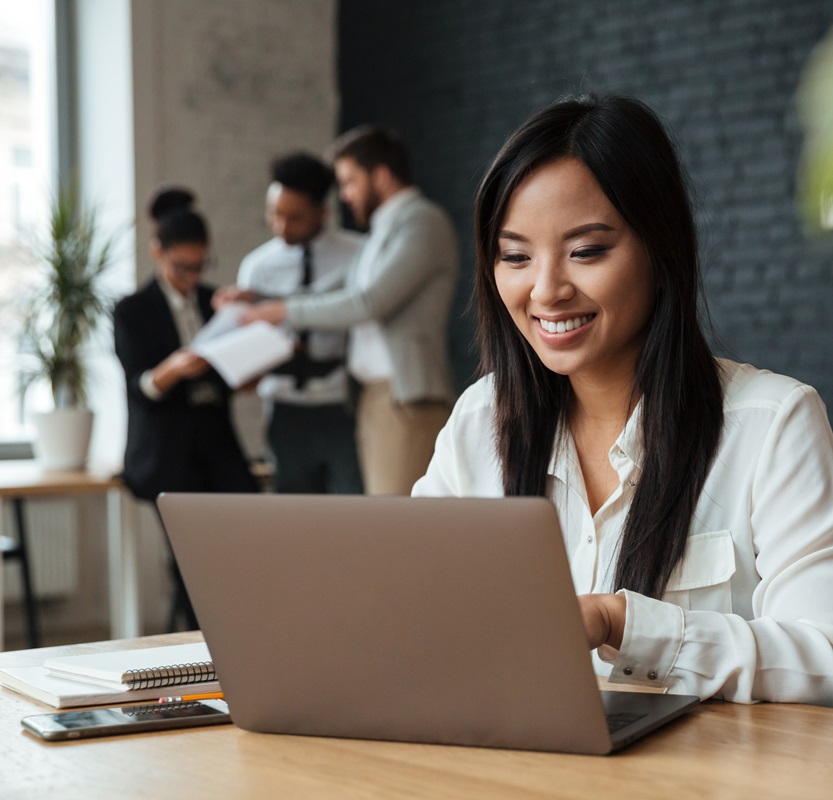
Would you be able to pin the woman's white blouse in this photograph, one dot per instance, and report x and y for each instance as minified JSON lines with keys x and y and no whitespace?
{"x":748,"y":614}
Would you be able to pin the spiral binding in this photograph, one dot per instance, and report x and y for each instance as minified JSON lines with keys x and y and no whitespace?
{"x":153,"y":709}
{"x":174,"y":675}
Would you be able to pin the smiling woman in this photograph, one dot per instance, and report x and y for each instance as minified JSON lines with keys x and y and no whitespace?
{"x":692,"y":493}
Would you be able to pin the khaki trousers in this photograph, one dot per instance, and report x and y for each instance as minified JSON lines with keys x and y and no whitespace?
{"x":395,"y":442}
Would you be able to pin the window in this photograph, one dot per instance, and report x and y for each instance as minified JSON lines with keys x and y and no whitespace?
{"x":26,"y":175}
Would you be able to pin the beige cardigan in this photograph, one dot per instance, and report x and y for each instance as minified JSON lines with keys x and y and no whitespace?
{"x":410,"y":295}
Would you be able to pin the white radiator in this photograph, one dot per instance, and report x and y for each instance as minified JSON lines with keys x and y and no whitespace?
{"x":52,"y":528}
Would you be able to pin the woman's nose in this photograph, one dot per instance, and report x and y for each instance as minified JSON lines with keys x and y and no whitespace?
{"x":552,"y":284}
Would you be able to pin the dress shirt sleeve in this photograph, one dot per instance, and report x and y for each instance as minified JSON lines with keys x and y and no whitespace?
{"x":465,"y":463}
{"x":262,"y":268}
{"x":412,"y":254}
{"x":785,"y":652}
{"x":244,"y":273}
{"x":442,"y":478}
{"x":148,"y":387}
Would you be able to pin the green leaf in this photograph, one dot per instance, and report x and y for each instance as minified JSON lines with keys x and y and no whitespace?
{"x":68,"y":300}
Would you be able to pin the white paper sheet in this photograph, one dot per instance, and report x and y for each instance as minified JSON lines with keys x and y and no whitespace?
{"x":241,"y":353}
{"x":225,"y":319}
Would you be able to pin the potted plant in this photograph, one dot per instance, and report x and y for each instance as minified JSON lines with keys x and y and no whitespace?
{"x":67,"y":303}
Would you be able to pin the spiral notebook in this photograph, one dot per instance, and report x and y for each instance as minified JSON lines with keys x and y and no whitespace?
{"x":129,"y":670}
{"x":59,"y":691}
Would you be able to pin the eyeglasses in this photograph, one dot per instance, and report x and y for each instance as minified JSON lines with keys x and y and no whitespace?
{"x":191,"y":268}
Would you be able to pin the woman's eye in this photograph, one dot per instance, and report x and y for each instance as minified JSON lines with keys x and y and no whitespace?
{"x":590,"y":252}
{"x":513,"y":258}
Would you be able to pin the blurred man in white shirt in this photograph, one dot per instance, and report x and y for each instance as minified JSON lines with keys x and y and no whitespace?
{"x":311,"y":428}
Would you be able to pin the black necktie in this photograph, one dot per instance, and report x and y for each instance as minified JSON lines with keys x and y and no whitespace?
{"x":300,"y":362}
{"x":301,"y":366}
{"x":306,"y":278}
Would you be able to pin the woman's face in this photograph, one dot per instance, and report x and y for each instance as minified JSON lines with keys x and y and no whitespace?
{"x":573,"y":275}
{"x":181,"y":264}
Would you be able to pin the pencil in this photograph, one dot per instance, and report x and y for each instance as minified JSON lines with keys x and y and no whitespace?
{"x":187,"y":698}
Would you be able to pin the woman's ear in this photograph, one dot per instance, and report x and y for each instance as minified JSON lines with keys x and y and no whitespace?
{"x":155,"y":248}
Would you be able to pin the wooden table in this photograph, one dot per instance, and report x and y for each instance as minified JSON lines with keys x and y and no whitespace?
{"x":722,"y":750}
{"x":27,"y":479}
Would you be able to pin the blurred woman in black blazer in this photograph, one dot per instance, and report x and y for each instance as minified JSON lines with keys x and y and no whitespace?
{"x":179,"y":431}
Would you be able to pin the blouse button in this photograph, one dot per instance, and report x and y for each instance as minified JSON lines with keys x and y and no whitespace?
{"x":590,"y":539}
{"x":627,"y":671}
{"x":652,"y":676}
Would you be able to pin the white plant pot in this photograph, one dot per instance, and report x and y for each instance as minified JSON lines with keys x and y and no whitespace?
{"x":63,"y":437}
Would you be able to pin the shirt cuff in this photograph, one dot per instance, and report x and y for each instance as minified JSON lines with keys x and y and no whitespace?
{"x":650,"y":644}
{"x":148,"y":387}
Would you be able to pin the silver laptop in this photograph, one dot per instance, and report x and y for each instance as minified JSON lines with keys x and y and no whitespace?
{"x":441,"y":620}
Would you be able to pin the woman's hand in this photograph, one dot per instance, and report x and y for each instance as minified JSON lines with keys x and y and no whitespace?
{"x":180,"y":365}
{"x":273,"y":311}
{"x":604,"y":618}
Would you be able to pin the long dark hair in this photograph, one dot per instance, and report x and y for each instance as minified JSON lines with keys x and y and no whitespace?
{"x":624,"y":146}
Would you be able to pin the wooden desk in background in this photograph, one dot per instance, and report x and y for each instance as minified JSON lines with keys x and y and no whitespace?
{"x":721,"y":750}
{"x":26,"y":479}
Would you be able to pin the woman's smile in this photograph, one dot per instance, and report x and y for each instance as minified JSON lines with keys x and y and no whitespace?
{"x":564,"y":325}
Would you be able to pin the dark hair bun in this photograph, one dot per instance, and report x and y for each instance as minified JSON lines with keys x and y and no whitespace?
{"x":168,"y":199}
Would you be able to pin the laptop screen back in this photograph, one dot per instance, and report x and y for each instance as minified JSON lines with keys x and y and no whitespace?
{"x":440,"y":620}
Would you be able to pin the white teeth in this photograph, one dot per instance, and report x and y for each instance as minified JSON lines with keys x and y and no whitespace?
{"x":565,"y":325}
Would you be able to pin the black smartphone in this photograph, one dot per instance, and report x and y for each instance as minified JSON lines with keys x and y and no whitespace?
{"x":126,"y":719}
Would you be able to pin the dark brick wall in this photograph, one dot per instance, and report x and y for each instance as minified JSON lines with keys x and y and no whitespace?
{"x":455,"y":77}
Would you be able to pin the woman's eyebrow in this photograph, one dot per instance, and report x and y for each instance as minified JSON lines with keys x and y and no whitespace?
{"x":516,"y":237}
{"x":590,"y":226}
{"x":570,"y":234}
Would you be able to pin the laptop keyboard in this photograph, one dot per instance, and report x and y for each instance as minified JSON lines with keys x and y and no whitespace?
{"x":621,"y":719}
